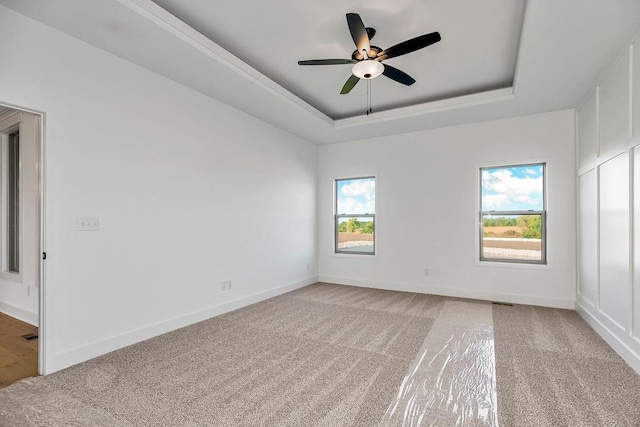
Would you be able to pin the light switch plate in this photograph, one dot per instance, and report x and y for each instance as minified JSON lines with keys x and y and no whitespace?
{"x":88,"y":223}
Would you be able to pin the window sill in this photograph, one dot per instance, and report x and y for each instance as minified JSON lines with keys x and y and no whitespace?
{"x":354,"y":256}
{"x":516,"y":265}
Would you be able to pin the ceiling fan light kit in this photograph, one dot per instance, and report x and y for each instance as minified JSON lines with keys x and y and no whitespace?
{"x":367,"y":59}
{"x":367,"y":69}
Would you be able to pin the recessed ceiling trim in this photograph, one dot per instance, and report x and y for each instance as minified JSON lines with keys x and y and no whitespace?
{"x":474,"y":99}
{"x":156,"y":14}
{"x":159,"y":16}
{"x":544,"y":79}
{"x":525,"y":24}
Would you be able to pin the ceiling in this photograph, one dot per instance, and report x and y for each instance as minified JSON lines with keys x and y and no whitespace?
{"x":477,"y":53}
{"x":497,"y":58}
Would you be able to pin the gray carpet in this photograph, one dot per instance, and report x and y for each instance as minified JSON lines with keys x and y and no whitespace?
{"x":327,"y":355}
{"x":554,"y":370}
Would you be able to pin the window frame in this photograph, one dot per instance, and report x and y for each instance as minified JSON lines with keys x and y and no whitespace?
{"x":542,"y":213}
{"x":337,"y":216}
{"x":9,"y":126}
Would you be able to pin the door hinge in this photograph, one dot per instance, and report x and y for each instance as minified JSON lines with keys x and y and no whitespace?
{"x":44,"y":255}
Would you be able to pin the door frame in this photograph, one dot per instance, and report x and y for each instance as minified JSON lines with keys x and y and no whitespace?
{"x":41,"y":213}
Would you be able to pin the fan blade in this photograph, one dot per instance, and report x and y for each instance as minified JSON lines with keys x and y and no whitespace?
{"x":397,"y":75}
{"x":409,"y":46}
{"x":349,"y":84}
{"x":327,"y":62}
{"x":358,"y":32}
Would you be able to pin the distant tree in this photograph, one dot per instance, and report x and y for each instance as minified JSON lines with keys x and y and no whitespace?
{"x":499,"y":222}
{"x":534,"y":227}
{"x":488,"y":222}
{"x":352,"y":225}
{"x":522,"y":221}
{"x":507,"y":222}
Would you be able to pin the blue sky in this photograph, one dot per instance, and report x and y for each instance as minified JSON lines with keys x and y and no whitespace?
{"x":356,"y":196}
{"x":514,"y":188}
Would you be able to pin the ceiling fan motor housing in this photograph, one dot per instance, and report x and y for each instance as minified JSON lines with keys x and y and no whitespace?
{"x":372,"y":53}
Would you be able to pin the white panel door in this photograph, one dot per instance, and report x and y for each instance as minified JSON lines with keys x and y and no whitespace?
{"x":636,"y":242}
{"x":614,"y":103}
{"x":588,"y":132}
{"x":614,"y":239}
{"x":588,"y":240}
{"x":636,"y":90}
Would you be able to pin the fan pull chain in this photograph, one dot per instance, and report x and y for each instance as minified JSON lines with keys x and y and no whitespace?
{"x":368,"y":87}
{"x":368,"y":97}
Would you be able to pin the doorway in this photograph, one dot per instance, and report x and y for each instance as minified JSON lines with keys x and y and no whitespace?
{"x":21,"y":249}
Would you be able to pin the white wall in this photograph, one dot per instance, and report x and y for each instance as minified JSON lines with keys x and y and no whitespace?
{"x":609,"y":207}
{"x":428,"y":190}
{"x":189,"y":192}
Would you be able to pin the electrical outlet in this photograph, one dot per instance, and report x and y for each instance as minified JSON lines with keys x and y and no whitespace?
{"x":223,"y":285}
{"x":426,"y":272}
{"x":228,"y":284}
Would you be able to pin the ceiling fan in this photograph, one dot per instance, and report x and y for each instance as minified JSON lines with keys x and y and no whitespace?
{"x":367,"y":59}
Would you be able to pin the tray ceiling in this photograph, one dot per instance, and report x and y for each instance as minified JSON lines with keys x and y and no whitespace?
{"x":497,"y":58}
{"x":478,"y":51}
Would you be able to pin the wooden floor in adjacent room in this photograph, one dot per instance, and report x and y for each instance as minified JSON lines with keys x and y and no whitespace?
{"x":18,"y":356}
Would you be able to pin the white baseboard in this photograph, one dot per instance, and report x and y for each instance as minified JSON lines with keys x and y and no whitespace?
{"x":103,"y":346}
{"x":621,"y":344}
{"x":19,"y":313}
{"x":455,"y":292}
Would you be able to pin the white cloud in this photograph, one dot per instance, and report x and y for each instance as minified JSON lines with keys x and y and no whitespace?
{"x":509,"y":189}
{"x":364,"y":188}
{"x":493,"y":202}
{"x":371,"y":206}
{"x":351,"y":205}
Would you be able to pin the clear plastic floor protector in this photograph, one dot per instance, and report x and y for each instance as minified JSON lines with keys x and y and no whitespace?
{"x":453,"y":380}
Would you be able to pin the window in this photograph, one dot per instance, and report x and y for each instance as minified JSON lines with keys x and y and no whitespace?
{"x":13,"y":203}
{"x":512,"y":214}
{"x":355,"y":217}
{"x":10,"y":199}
